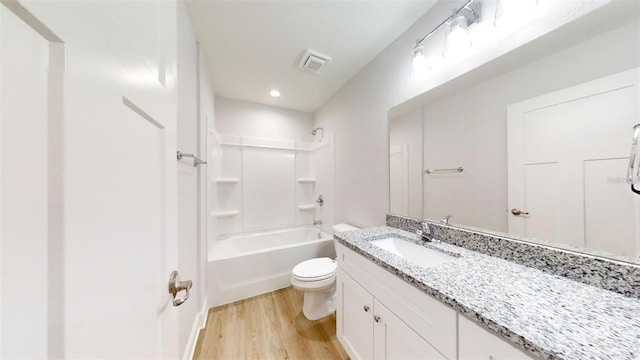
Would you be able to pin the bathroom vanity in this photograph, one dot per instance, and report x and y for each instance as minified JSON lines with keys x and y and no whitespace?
{"x":470,"y":305}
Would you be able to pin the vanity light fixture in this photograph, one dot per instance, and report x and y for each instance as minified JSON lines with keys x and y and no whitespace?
{"x":420,"y":65}
{"x":274,"y":93}
{"x":511,"y":11}
{"x":456,"y":36}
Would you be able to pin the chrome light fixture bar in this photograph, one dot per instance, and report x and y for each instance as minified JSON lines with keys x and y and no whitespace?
{"x":469,"y":14}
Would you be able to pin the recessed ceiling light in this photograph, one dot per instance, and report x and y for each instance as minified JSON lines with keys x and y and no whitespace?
{"x":274,"y":93}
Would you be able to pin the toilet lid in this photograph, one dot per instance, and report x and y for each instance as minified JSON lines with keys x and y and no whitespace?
{"x":320,"y":268}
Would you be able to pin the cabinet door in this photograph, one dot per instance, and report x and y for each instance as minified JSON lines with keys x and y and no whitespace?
{"x":393,"y":339}
{"x":478,"y":343}
{"x":355,"y":318}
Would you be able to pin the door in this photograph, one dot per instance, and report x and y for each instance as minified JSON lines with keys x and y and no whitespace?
{"x":120,"y":182}
{"x":393,"y":339}
{"x":568,"y":153}
{"x":23,"y":193}
{"x":355,"y":318}
{"x":88,"y":196}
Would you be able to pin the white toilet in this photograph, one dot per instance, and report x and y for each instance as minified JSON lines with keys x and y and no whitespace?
{"x":317,"y":278}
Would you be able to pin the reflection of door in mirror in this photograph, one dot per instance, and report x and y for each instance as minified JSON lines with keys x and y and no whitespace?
{"x":464,"y":124}
{"x":405,"y":164}
{"x":568,"y":156}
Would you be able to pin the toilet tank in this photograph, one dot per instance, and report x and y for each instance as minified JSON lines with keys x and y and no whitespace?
{"x":343,"y":227}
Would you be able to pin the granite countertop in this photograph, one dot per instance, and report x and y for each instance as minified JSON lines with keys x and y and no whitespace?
{"x":545,"y":315}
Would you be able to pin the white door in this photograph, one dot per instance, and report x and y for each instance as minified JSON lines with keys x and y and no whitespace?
{"x":393,"y":339}
{"x":23,"y":197}
{"x":87,"y":227}
{"x":354,"y":318}
{"x":568,"y":153}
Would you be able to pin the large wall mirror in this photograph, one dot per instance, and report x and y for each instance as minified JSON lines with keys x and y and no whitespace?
{"x":535,"y":143}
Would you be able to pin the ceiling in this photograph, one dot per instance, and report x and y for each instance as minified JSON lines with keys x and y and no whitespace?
{"x":251,"y":47}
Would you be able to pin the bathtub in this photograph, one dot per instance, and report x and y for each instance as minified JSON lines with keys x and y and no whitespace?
{"x":251,"y":264}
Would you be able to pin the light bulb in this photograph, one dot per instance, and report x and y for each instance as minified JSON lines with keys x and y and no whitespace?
{"x":419,"y":62}
{"x":456,"y":41}
{"x":274,"y":93}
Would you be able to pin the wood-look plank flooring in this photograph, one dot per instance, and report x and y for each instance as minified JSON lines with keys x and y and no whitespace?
{"x":269,"y":326}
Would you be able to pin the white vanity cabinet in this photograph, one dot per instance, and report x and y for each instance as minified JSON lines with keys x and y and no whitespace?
{"x":371,"y":331}
{"x":381,"y":317}
{"x":478,"y":343}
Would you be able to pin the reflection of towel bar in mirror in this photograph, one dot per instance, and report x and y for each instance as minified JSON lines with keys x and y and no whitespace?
{"x":458,"y":169}
{"x":633,"y":174}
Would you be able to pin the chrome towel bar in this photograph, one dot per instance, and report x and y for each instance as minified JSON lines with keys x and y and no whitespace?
{"x":196,"y":160}
{"x":633,"y":174}
{"x":458,"y":169}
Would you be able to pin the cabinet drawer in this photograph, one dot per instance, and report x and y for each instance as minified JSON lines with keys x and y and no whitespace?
{"x":428,"y":317}
{"x":479,"y":343}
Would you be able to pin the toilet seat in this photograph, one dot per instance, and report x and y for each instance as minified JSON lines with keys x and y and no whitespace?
{"x":317,"y":278}
{"x":315,"y":270}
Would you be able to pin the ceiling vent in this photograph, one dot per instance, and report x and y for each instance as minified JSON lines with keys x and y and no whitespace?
{"x":313,"y":61}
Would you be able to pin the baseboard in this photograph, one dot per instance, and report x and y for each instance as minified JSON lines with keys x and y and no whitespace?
{"x":198,"y":324}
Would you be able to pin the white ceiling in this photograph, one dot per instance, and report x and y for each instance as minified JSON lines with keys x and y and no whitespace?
{"x":251,"y":47}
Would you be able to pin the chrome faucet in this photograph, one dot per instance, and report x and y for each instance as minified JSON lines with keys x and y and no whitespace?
{"x":445,"y":220}
{"x":425,"y":231}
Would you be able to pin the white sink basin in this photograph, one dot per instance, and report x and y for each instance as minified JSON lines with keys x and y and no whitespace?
{"x":409,"y":251}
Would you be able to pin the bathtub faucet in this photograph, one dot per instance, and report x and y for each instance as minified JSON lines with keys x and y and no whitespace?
{"x":317,"y":222}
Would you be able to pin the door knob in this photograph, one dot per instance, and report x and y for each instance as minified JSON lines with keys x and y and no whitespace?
{"x":175,"y":286}
{"x":518,"y":212}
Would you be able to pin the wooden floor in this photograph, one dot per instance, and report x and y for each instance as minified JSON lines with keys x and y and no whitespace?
{"x":269,"y":326}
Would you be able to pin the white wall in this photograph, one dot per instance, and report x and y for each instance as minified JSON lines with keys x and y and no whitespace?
{"x":468,"y":128}
{"x":357,"y":114}
{"x":242,"y":118}
{"x":322,"y":162}
{"x":208,"y":228}
{"x":191,"y":182}
{"x":406,"y":130}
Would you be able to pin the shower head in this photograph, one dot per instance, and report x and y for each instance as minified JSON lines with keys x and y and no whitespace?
{"x":315,"y":131}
